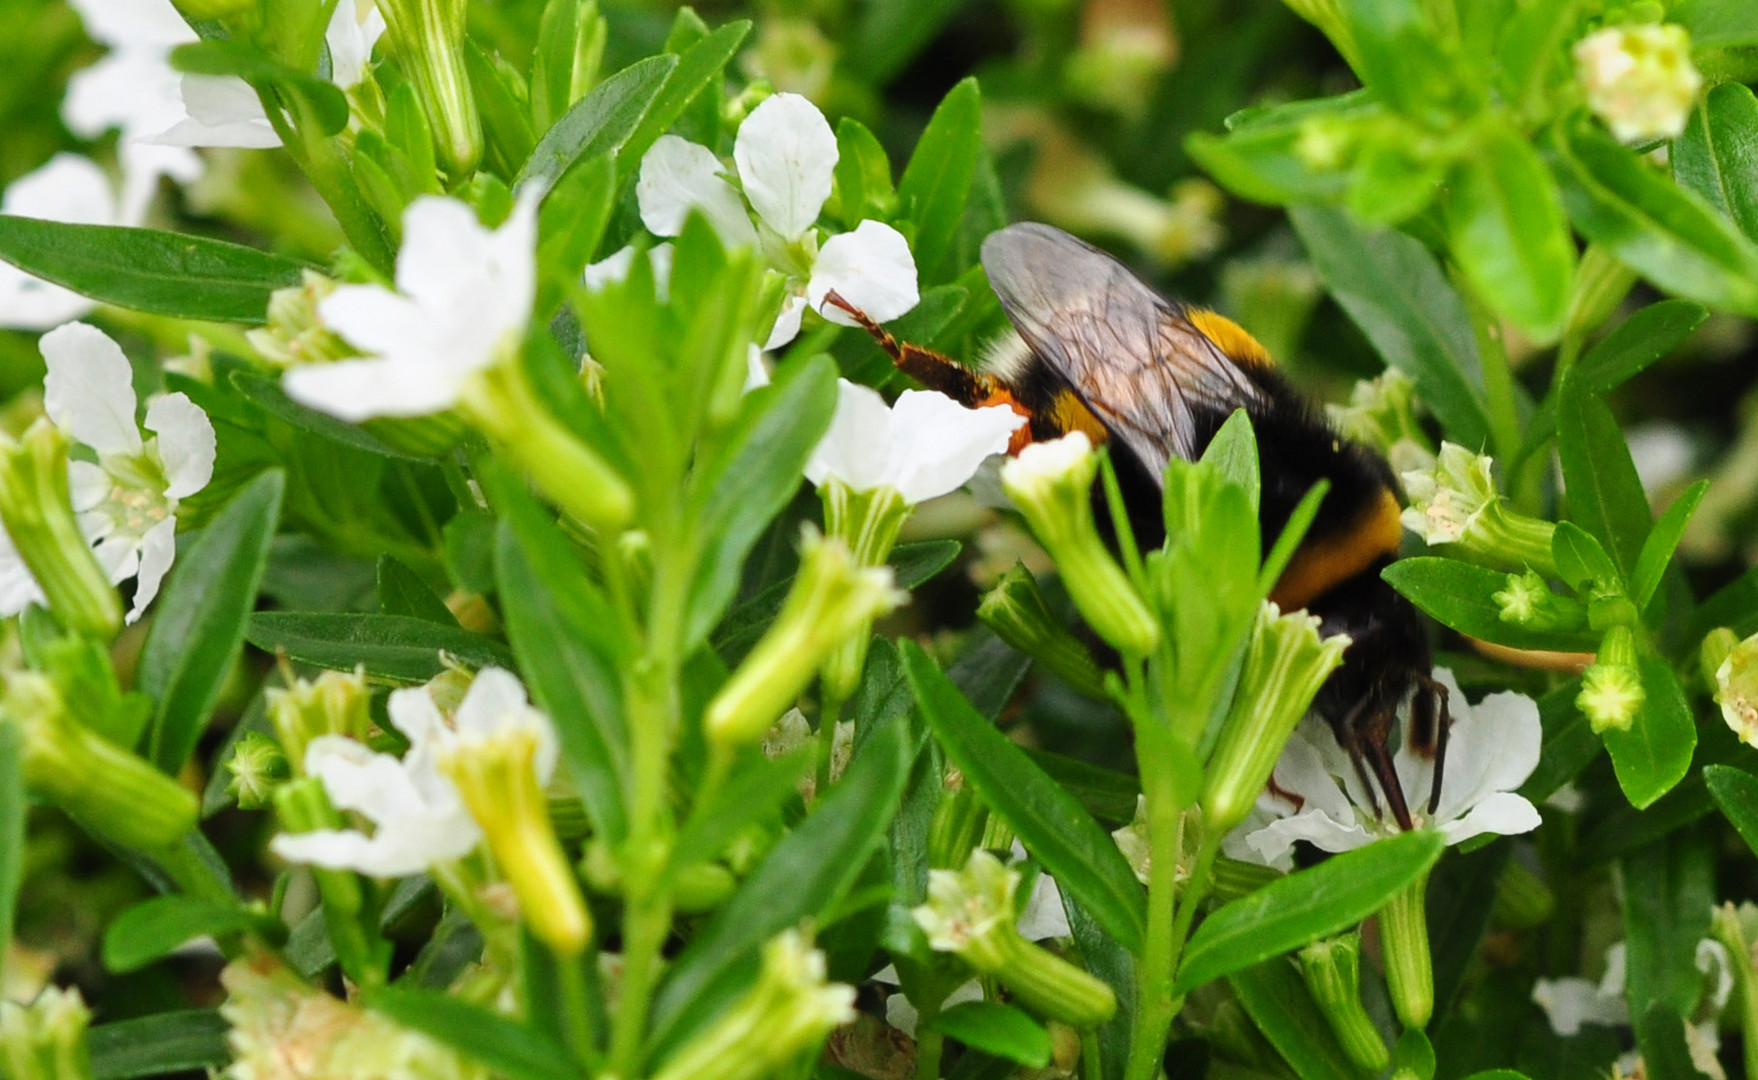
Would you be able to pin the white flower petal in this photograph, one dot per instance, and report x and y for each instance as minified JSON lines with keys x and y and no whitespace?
{"x":133,"y":24}
{"x":678,"y":176}
{"x":1277,"y":839}
{"x":89,"y":485}
{"x":186,"y":443}
{"x":356,"y":390}
{"x":786,"y":155}
{"x":223,"y":111}
{"x":67,"y":188}
{"x":18,"y":589}
{"x":495,"y":697}
{"x":756,"y":371}
{"x":137,"y":91}
{"x":89,"y":390}
{"x":613,"y":269}
{"x":857,"y":447}
{"x":1303,"y":772}
{"x":414,"y":714}
{"x":118,"y":554}
{"x":1571,"y":1002}
{"x":143,"y":164}
{"x":1493,"y":746}
{"x":938,"y":443}
{"x":1044,"y":916}
{"x":29,"y":303}
{"x":350,"y":39}
{"x":157,"y":550}
{"x":1503,"y":814}
{"x":871,"y":268}
{"x":787,"y":322}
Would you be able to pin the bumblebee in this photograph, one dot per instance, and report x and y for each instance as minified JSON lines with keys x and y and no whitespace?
{"x":1096,"y":350}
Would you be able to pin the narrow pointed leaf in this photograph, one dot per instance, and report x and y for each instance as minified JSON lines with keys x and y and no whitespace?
{"x":507,"y":1047}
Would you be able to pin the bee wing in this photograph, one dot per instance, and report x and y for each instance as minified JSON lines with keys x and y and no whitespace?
{"x":1127,"y":352}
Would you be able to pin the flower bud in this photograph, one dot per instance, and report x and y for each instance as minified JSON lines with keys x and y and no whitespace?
{"x":1611,"y":689}
{"x":1529,"y":602}
{"x":1639,"y":79}
{"x":1051,"y":483}
{"x":257,"y":767}
{"x":1285,"y":664}
{"x":428,"y":38}
{"x":1409,"y":965}
{"x":1382,"y":413}
{"x":832,"y":598}
{"x":1332,"y":970}
{"x":36,"y":506}
{"x":497,"y":777}
{"x":868,"y":521}
{"x":1456,"y":503}
{"x":1016,"y":611}
{"x":295,"y":333}
{"x":501,"y":401}
{"x":783,"y":1018}
{"x":971,"y":912}
{"x":1736,"y":688}
{"x":45,"y":1040}
{"x":111,"y":791}
{"x":335,"y":703}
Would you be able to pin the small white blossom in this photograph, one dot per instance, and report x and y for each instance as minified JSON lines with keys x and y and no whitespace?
{"x":1639,"y":79}
{"x":1046,"y":464}
{"x":126,"y":502}
{"x":1736,"y":690}
{"x":464,"y":296}
{"x":219,"y":110}
{"x":71,"y":189}
{"x":1317,"y":794}
{"x":923,"y":446}
{"x":351,"y":36}
{"x":418,"y":815}
{"x":785,"y":160}
{"x":1447,"y":500}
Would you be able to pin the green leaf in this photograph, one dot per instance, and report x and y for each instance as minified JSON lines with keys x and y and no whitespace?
{"x":198,"y":629}
{"x":507,"y":1047}
{"x":863,"y":175}
{"x":1301,"y":908}
{"x":264,"y":392}
{"x":1668,"y":235}
{"x":804,"y":874}
{"x":1107,"y":794}
{"x":1413,"y":1056}
{"x":1717,"y":156}
{"x":1657,"y":550}
{"x":1261,"y":159}
{"x":1233,"y":451}
{"x":1605,"y":494}
{"x":1660,"y":1036}
{"x":402,"y":592}
{"x":696,"y":67}
{"x":1051,"y":824}
{"x":598,"y":123}
{"x":570,"y":225}
{"x":937,"y":180}
{"x":13,"y":809}
{"x":188,"y":1040}
{"x":1656,"y":752}
{"x":1580,"y":559}
{"x":1669,"y":893}
{"x":1001,"y":1030}
{"x":1506,"y":227}
{"x":1716,"y":24}
{"x":1458,"y":594}
{"x":752,"y":477}
{"x":892,"y":33}
{"x":1276,"y":999}
{"x":1736,"y":792}
{"x":1393,"y":289}
{"x":1404,"y":59}
{"x":160,"y":273}
{"x":1461,"y":898}
{"x":758,"y":788}
{"x":154,"y":928}
{"x":393,"y":648}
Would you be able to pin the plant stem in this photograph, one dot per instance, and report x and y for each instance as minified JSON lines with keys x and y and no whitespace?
{"x":1498,"y":374}
{"x":829,"y":712}
{"x":1154,"y":976}
{"x":577,"y":1011}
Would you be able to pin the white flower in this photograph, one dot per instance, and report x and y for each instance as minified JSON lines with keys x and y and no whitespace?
{"x":351,"y":36}
{"x":127,"y":502}
{"x":1492,"y":748}
{"x":419,"y":817}
{"x":1571,"y":1002}
{"x":219,"y":110}
{"x":924,"y":446}
{"x":785,"y":156}
{"x":69,"y":188}
{"x":464,"y":296}
{"x":1639,"y":79}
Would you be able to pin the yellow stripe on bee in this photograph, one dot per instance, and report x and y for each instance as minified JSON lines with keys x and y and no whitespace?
{"x":1229,"y":337}
{"x":1068,"y":414}
{"x":1323,"y":563}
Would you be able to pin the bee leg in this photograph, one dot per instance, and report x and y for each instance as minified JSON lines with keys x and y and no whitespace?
{"x":929,"y":368}
{"x":1388,"y":777}
{"x":1441,"y":718}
